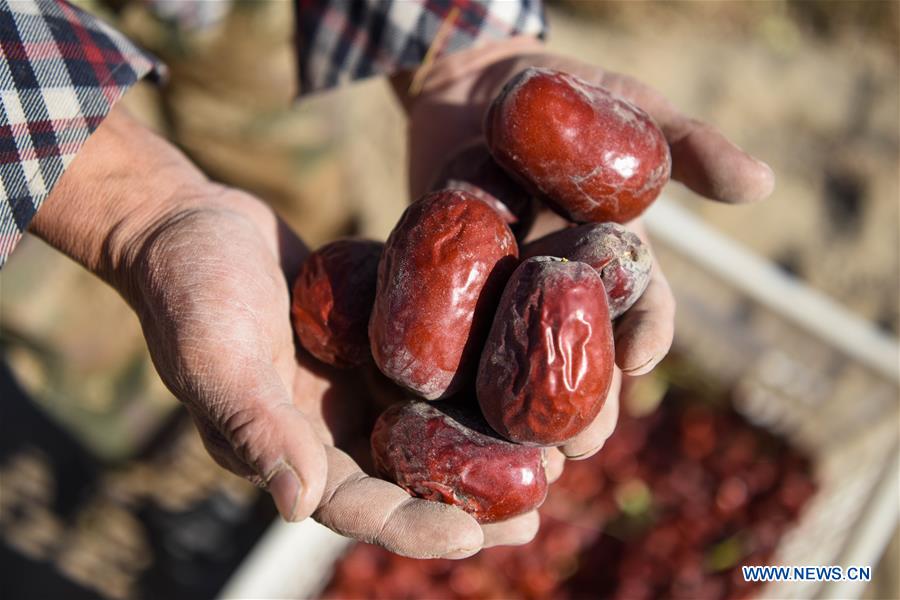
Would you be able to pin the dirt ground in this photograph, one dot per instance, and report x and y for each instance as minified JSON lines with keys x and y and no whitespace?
{"x":812,"y":88}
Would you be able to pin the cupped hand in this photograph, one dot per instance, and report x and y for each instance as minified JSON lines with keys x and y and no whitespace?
{"x":210,"y":285}
{"x":448,"y":112}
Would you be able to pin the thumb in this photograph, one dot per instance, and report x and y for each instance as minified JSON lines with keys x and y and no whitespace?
{"x":262,"y":436}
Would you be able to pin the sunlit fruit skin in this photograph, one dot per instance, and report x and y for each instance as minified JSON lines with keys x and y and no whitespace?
{"x":590,"y":155}
{"x":548,"y":362}
{"x":445,"y":452}
{"x":332,"y":300}
{"x":472,"y":169}
{"x":620,"y":257}
{"x":441,"y":272}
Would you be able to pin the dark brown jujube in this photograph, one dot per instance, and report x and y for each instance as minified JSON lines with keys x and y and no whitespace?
{"x":592,"y":156}
{"x":618,"y":255}
{"x":472,"y":169}
{"x":444,"y":452}
{"x":441,"y":272}
{"x":548,"y":361}
{"x":332,"y":300}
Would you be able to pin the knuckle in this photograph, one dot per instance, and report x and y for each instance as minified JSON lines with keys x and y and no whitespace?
{"x":246,"y":434}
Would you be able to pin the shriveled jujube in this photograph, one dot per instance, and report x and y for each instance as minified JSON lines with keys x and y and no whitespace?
{"x":618,"y":255}
{"x":548,"y":362}
{"x":444,"y":451}
{"x":332,"y":300}
{"x":592,"y":156}
{"x":442,"y":269}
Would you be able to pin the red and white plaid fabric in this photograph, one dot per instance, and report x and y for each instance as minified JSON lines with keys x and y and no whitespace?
{"x":343,"y":40}
{"x":61,"y":71}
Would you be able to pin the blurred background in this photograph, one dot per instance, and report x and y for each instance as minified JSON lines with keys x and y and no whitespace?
{"x":755,"y":442}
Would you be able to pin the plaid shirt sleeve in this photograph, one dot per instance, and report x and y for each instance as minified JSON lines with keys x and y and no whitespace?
{"x":343,"y":40}
{"x":61,"y":72}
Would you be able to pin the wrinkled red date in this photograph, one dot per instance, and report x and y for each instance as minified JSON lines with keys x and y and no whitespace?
{"x":447,"y":453}
{"x":591,"y":155}
{"x":548,"y":361}
{"x":332,"y":300}
{"x":618,"y":255}
{"x":441,"y":272}
{"x":472,"y":169}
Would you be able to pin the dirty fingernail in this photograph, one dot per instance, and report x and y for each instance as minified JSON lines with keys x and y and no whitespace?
{"x":285,"y":489}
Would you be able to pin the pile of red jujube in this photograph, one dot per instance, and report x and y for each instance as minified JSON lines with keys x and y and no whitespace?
{"x":675,"y":504}
{"x":454,"y":311}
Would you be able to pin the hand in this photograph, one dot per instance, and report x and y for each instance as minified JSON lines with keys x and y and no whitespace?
{"x":209,"y":288}
{"x":207,"y":268}
{"x":448,"y":112}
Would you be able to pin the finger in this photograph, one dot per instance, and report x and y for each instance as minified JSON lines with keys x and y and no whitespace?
{"x":556,"y":460}
{"x":378,"y":512}
{"x":220,"y":449}
{"x":591,"y":440}
{"x":702,"y":158}
{"x":643,"y":335}
{"x":705,"y":161}
{"x":274,"y":443}
{"x":512,"y":532}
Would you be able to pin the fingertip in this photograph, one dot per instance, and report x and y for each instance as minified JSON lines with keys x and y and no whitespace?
{"x":640,"y":348}
{"x":285,"y":489}
{"x":312,"y":488}
{"x":644,"y":334}
{"x":638,"y":360}
{"x":295,"y":496}
{"x":591,"y":440}
{"x":742,"y":179}
{"x":764,"y":184}
{"x":556,"y":462}
{"x":297,"y":480}
{"x":426,"y":529}
{"x":516,"y":531}
{"x":713,"y":166}
{"x":461,"y":554}
{"x":588,"y":454}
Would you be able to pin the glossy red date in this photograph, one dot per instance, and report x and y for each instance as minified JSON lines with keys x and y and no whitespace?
{"x":444,"y":452}
{"x":592,"y":156}
{"x":441,"y":272}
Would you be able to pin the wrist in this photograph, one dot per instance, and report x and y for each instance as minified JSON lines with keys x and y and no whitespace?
{"x":123,"y":182}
